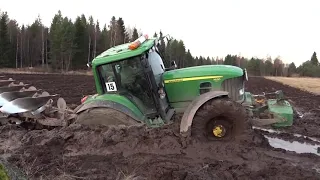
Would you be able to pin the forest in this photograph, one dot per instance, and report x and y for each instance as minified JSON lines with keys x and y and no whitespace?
{"x":68,"y":45}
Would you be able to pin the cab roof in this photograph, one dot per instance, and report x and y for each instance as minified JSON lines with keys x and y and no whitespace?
{"x":121,"y":52}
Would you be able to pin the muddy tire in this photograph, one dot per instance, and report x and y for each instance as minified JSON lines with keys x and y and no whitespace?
{"x":104,"y":116}
{"x":219,"y":119}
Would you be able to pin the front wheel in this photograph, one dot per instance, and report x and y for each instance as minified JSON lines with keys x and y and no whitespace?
{"x":219,"y":119}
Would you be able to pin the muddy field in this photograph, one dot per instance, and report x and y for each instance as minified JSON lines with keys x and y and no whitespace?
{"x":79,"y":152}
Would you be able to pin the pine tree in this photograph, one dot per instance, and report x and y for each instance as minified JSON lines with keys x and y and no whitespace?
{"x":189,"y":59}
{"x":97,"y":35}
{"x":155,"y":35}
{"x":268,"y":67}
{"x":104,"y":41}
{"x":22,"y":47}
{"x":5,"y":45}
{"x":122,"y":35}
{"x":208,"y":61}
{"x":13,"y":31}
{"x":180,"y":54}
{"x":314,"y":59}
{"x":91,"y":29}
{"x":67,"y":45}
{"x":201,"y":61}
{"x":81,"y":43}
{"x":292,"y":69}
{"x":113,"y":31}
{"x":135,"y":35}
{"x":35,"y":46}
{"x":162,"y":47}
{"x":56,"y":39}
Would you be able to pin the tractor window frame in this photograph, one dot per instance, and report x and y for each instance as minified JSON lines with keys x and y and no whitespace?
{"x":121,"y":90}
{"x":102,"y":81}
{"x":117,"y":79}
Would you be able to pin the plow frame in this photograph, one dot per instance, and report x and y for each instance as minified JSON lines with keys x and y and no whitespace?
{"x":264,"y":111}
{"x":19,"y":104}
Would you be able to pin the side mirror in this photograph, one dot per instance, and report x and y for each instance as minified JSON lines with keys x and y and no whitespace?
{"x":89,"y":64}
{"x":118,"y":68}
{"x":173,"y":64}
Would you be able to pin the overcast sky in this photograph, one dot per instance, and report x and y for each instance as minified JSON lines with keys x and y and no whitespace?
{"x":288,"y":28}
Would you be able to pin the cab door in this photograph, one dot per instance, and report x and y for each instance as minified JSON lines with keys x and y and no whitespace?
{"x":158,"y":68}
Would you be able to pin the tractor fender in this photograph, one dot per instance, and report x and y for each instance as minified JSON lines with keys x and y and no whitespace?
{"x":107,"y":104}
{"x":193,"y":107}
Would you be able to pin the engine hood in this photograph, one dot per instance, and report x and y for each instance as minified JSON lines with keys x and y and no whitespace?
{"x":211,"y":71}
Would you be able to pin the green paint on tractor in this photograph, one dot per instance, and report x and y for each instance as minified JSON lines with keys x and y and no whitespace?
{"x":114,"y":54}
{"x":184,"y":85}
{"x":276,"y":109}
{"x":283,"y":109}
{"x":121,"y":52}
{"x":227,"y":71}
{"x":117,"y":99}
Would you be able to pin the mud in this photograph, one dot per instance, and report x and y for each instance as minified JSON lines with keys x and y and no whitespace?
{"x":84,"y":152}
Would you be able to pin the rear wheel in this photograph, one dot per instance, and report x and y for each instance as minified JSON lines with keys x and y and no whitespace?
{"x":104,"y":116}
{"x":219,"y":119}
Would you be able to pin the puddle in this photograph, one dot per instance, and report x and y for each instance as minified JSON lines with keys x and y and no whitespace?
{"x":293,"y":146}
{"x":280,"y":132}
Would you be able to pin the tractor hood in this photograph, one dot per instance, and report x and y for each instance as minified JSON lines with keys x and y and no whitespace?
{"x":184,"y":85}
{"x":220,"y":72}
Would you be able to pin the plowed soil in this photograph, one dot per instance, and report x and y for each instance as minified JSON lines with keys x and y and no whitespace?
{"x":83,"y":152}
{"x":71,"y":87}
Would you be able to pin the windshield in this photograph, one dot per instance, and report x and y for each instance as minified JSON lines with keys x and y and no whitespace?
{"x":127,"y":78}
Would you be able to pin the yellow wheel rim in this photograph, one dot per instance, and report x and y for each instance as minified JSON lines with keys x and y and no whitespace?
{"x":260,"y":100}
{"x":218,"y":131}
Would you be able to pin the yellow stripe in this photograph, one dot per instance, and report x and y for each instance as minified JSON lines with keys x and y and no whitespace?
{"x":192,"y":79}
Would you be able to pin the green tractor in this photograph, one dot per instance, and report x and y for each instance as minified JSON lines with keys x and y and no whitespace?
{"x":134,"y":87}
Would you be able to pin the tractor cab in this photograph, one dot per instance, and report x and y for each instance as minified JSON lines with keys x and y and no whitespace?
{"x":139,"y":79}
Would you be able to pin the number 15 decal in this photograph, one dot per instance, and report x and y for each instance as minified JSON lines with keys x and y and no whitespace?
{"x":111,"y":86}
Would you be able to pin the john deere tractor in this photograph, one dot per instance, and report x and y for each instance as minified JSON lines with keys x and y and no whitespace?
{"x":134,"y":86}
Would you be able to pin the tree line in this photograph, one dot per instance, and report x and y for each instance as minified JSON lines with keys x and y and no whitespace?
{"x":69,"y":45}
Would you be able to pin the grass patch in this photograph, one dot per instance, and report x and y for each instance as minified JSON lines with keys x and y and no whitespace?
{"x":304,"y":83}
{"x":3,"y":173}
